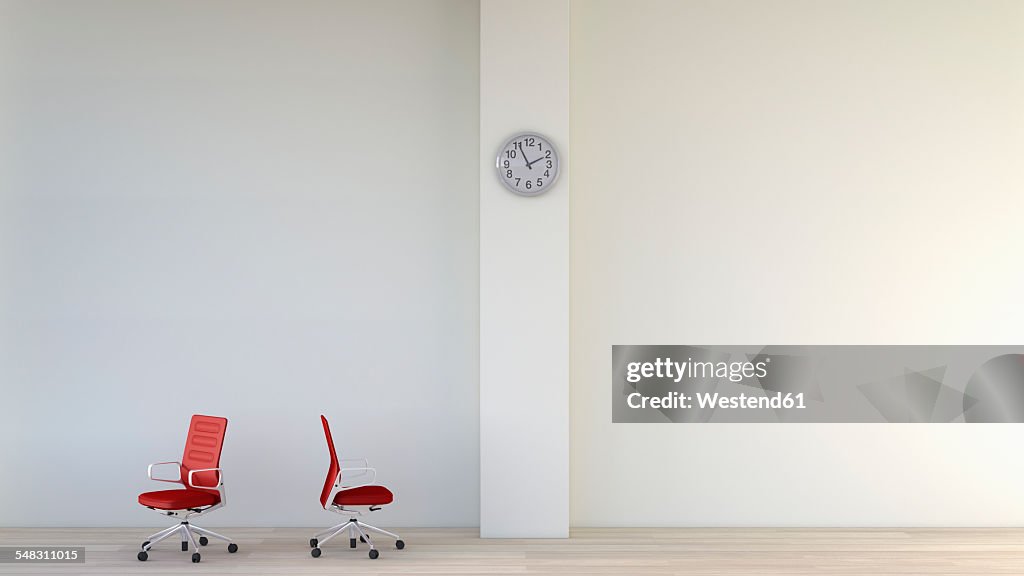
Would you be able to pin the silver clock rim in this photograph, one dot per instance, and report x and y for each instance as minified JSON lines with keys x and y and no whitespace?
{"x":509,"y":187}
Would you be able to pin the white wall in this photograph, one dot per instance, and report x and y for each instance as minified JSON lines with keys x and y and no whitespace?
{"x":261,"y":210}
{"x":794,"y":172}
{"x":524,"y":277}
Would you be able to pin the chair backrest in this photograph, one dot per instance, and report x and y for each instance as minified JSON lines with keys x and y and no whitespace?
{"x":332,"y":471}
{"x":202,"y":450}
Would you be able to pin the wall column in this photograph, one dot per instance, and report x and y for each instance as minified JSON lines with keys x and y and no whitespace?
{"x":524,"y":277}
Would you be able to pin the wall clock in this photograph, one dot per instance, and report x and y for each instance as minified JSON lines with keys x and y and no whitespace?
{"x":527,"y":164}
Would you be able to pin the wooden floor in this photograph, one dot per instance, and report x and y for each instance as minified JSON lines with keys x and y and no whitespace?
{"x":635,"y":551}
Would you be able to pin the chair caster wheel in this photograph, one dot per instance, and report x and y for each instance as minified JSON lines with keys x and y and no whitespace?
{"x":351,"y":542}
{"x":362,"y":540}
{"x":399,"y":544}
{"x":374,"y":554}
{"x":184,"y":546}
{"x":195,"y":558}
{"x":143,"y":556}
{"x":315,"y":552}
{"x":203,"y":540}
{"x":232,"y":548}
{"x":313,"y":542}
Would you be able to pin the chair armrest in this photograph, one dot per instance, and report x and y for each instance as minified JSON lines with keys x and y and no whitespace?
{"x":149,"y":472}
{"x":220,"y":478}
{"x":364,"y":471}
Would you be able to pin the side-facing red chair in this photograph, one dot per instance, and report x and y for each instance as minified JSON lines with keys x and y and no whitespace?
{"x":203,"y":481}
{"x":348,"y":500}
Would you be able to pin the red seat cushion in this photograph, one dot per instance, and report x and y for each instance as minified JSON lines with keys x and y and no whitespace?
{"x":178,"y":499}
{"x":364,"y":496}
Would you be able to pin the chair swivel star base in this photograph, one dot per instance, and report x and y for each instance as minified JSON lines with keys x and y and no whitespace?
{"x":188,"y":532}
{"x":354,"y":528}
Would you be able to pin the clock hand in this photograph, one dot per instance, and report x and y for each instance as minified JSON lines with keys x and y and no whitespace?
{"x":528,"y":163}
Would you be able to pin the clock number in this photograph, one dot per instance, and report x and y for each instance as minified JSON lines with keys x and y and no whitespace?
{"x":517,"y":182}
{"x":508,"y":174}
{"x":510,"y":153}
{"x":547,"y":173}
{"x":549,"y":164}
{"x":506,"y":164}
{"x":539,"y":182}
{"x":529,"y":184}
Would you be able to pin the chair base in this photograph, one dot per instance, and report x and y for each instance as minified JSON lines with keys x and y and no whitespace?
{"x":357,"y":532}
{"x":187,"y":532}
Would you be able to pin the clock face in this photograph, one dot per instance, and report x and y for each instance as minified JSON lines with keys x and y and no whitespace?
{"x":527,"y":164}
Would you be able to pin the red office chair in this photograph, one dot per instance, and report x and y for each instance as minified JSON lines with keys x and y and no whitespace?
{"x":347,"y":498}
{"x":200,"y":474}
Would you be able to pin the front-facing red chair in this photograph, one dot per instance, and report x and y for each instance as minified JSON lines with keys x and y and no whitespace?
{"x":203,"y":487}
{"x":349,"y":500}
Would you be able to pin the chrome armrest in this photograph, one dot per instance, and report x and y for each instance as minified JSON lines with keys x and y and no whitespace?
{"x":149,"y":472}
{"x":220,"y":478}
{"x":363,"y":471}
